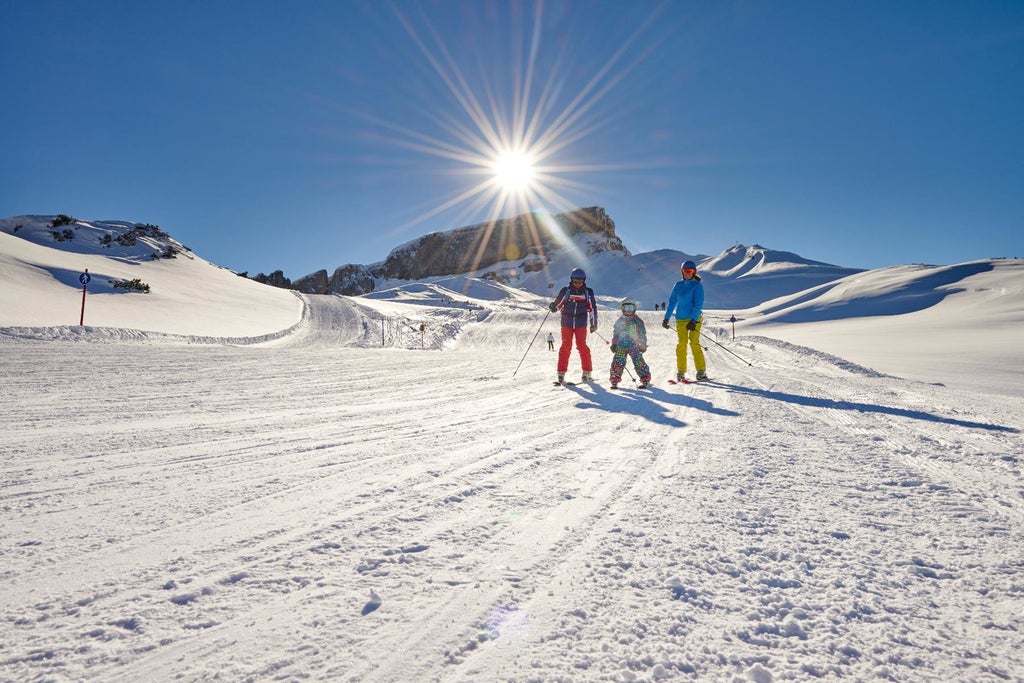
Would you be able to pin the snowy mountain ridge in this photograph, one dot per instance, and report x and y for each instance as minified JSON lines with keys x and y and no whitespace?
{"x":121,"y":240}
{"x":741,"y":261}
{"x":535,"y":252}
{"x":738,"y":278}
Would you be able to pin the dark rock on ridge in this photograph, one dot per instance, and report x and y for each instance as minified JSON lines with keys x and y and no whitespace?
{"x":523,"y":239}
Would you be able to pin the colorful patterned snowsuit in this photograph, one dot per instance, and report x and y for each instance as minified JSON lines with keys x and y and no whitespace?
{"x":629,"y":338}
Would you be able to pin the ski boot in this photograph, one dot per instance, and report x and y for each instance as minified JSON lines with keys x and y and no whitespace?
{"x":702,"y":376}
{"x":561,"y":378}
{"x":586,"y":377}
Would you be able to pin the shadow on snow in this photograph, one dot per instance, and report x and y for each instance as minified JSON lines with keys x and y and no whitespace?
{"x":814,"y":402}
{"x":652,"y":403}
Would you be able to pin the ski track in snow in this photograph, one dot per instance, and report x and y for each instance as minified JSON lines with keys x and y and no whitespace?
{"x":307,"y":506}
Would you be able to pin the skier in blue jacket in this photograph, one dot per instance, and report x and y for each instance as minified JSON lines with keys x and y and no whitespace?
{"x":687,"y":303}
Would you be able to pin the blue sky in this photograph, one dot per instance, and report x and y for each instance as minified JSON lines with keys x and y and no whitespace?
{"x":298,"y":136}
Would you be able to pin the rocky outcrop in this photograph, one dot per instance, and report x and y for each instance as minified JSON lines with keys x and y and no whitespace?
{"x":524,"y":240}
{"x":314,"y":283}
{"x":275,"y":279}
{"x":353,"y":280}
{"x":477,"y":247}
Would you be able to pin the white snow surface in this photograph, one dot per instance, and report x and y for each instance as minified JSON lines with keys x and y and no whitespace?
{"x":224,"y":481}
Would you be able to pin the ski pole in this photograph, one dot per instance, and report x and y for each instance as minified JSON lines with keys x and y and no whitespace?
{"x":624,"y":366}
{"x":729,"y":350}
{"x":531,"y":342}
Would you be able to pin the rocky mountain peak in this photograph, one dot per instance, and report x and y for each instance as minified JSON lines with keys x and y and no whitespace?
{"x":524,"y":241}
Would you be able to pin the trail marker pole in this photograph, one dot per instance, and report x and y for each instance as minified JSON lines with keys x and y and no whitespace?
{"x":84,"y":278}
{"x":733,"y":321}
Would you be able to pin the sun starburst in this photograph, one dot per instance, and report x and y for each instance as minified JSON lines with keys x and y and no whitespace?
{"x":514,"y":171}
{"x":516,"y":146}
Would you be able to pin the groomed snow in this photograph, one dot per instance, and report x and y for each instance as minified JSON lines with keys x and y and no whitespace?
{"x":335,"y":494}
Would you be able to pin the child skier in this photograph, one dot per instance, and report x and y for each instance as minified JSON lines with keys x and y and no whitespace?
{"x":629,"y":338}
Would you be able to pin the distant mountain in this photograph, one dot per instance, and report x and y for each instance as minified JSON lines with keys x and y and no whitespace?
{"x":497,"y":250}
{"x":42,"y":258}
{"x":741,"y":277}
{"x":536,"y":252}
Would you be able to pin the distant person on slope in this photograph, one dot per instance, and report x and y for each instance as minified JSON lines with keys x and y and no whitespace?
{"x":687,"y":302}
{"x":629,"y":338}
{"x":551,"y":341}
{"x":578,"y":306}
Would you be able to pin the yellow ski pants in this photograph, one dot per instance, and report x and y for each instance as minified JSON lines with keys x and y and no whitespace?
{"x":691,"y":337}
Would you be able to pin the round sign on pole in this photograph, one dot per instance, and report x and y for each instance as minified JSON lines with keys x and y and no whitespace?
{"x":84,"y":279}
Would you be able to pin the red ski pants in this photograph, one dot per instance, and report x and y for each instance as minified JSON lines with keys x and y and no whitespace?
{"x":580,"y":335}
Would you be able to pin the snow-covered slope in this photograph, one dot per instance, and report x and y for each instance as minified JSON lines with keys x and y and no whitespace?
{"x":242,"y":484}
{"x":962,"y":325}
{"x":330,"y":504}
{"x":39,"y":283}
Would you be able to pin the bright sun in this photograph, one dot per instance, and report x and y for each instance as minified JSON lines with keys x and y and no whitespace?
{"x":515,"y":147}
{"x":514,"y":171}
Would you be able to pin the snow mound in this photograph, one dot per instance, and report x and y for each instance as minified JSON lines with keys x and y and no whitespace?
{"x":185,"y":295}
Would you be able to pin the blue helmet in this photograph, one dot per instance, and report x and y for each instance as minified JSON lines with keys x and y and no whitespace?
{"x":577,"y":274}
{"x":688,"y":264}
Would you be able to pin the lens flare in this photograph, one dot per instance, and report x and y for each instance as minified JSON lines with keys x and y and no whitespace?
{"x":514,"y":171}
{"x":511,"y":134}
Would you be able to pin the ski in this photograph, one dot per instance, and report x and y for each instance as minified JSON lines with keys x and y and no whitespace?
{"x":566,"y":383}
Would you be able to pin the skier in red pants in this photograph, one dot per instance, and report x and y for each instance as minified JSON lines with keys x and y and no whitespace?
{"x":579,"y":307}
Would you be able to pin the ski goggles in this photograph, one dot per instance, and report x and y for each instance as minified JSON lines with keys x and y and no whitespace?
{"x":628,"y":307}
{"x":577,"y":281}
{"x":691,"y":271}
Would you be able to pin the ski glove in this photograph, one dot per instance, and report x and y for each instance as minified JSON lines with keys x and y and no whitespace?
{"x":615,"y":349}
{"x":692,"y":325}
{"x":664,"y":323}
{"x":593,"y":328}
{"x":553,"y":307}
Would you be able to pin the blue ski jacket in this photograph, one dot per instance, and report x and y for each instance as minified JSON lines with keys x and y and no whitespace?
{"x":577,"y":306}
{"x":686,"y":300}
